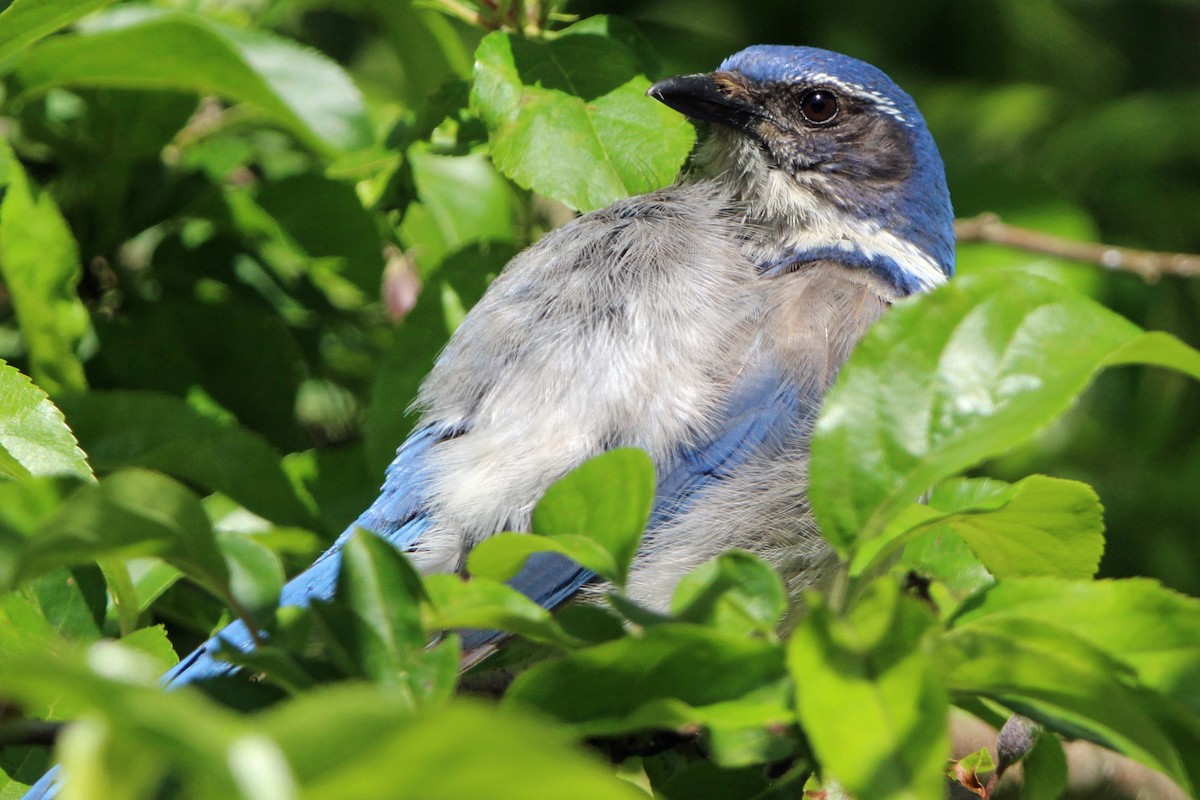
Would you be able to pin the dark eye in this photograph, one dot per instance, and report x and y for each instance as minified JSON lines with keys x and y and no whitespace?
{"x":819,"y":106}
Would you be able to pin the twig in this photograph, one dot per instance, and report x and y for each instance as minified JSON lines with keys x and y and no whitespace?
{"x":1147,"y":264}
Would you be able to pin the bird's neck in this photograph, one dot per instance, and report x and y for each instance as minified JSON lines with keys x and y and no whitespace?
{"x":791,"y":225}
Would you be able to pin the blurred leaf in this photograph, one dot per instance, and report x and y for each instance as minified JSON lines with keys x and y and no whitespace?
{"x":65,"y":606}
{"x":150,"y":578}
{"x":34,"y":439}
{"x":1047,"y":674}
{"x":351,"y":743}
{"x":736,"y":591}
{"x":869,"y":695}
{"x":1138,"y":622}
{"x":26,"y":21}
{"x":124,"y":428}
{"x":1038,"y":526}
{"x":659,"y":679}
{"x":153,"y":642}
{"x":255,"y":573}
{"x":39,"y":262}
{"x":144,"y":47}
{"x":944,"y":381}
{"x":569,"y":118}
{"x":594,"y":515}
{"x":1044,"y":771}
{"x":128,"y":512}
{"x":116,"y":686}
{"x":482,"y":604}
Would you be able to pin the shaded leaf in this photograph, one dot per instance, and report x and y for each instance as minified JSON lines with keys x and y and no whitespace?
{"x":143,"y":47}
{"x":661,"y":675}
{"x":488,"y":605}
{"x":255,"y":573}
{"x":1045,"y":673}
{"x":122,"y":429}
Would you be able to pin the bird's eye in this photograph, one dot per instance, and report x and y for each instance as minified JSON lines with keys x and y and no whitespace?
{"x":819,"y":106}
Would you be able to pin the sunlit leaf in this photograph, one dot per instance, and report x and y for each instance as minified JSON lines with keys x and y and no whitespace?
{"x":569,"y":117}
{"x":1038,"y":526}
{"x":870,"y":696}
{"x":947,"y":380}
{"x":34,"y":439}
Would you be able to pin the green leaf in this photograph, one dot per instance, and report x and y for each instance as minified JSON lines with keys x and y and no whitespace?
{"x":384,"y":593}
{"x":870,"y":697}
{"x":130,"y":512}
{"x":468,"y":200}
{"x":141,"y":725}
{"x":39,"y":262}
{"x":123,"y":429}
{"x":143,"y":47}
{"x":34,"y":439}
{"x":947,"y":380}
{"x":568,"y":117}
{"x":594,"y":515}
{"x":153,"y":642}
{"x":483,"y":604}
{"x":655,"y":680}
{"x":26,"y":21}
{"x":736,"y":591}
{"x":182,"y":348}
{"x":324,"y":222}
{"x":64,"y":604}
{"x":1044,"y":771}
{"x":1045,"y":673}
{"x":1038,"y":526}
{"x":255,"y":573}
{"x":350,"y":742}
{"x":1148,"y":627}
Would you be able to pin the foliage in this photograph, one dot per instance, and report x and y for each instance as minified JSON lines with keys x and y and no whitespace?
{"x":204,"y":378}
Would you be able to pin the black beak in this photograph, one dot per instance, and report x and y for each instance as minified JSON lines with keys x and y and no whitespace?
{"x":703,"y":97}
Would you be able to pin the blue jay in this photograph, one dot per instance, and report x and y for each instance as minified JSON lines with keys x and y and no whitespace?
{"x":702,"y":323}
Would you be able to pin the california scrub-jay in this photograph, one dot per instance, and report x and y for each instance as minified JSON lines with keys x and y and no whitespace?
{"x":702,"y":323}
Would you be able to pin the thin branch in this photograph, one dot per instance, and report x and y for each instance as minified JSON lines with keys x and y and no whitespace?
{"x":1147,"y":264}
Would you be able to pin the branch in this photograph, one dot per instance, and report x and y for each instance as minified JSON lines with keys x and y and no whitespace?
{"x":1094,"y":771}
{"x":1147,"y":264}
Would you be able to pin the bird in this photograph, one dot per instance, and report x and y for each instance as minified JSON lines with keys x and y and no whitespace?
{"x":702,"y":322}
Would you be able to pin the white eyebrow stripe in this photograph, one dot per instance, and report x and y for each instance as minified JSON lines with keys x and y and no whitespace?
{"x":881,"y":101}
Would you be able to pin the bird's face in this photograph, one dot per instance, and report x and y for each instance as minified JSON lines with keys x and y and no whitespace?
{"x":818,"y":141}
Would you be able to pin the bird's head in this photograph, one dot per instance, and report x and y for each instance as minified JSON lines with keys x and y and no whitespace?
{"x":828,"y":153}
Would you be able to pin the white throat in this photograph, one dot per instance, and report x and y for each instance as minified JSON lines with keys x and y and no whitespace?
{"x":796,"y":218}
